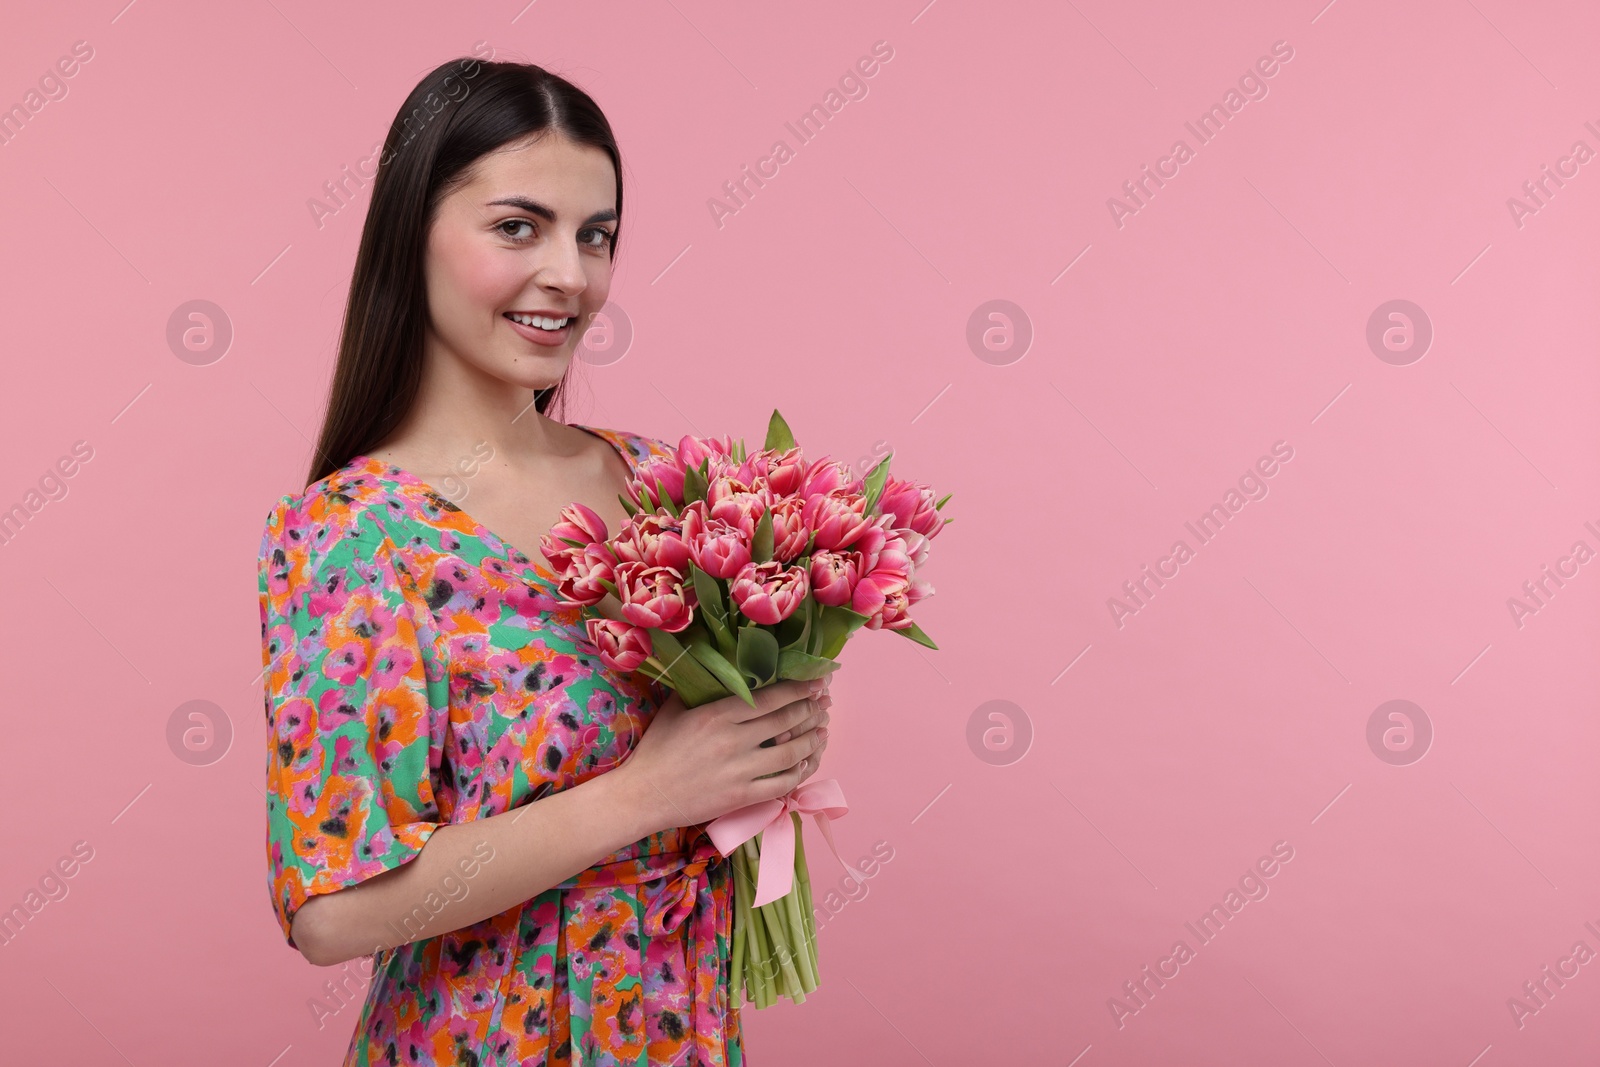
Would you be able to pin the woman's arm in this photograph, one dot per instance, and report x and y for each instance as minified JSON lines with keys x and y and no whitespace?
{"x":515,"y":856}
{"x":689,"y":767}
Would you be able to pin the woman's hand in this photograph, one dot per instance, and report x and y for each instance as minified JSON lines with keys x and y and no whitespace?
{"x":695,"y":764}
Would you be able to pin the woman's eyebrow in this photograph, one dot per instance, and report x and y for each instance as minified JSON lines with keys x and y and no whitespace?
{"x":533,"y":207}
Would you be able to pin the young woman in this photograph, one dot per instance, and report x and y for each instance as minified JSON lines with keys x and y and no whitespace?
{"x":457,"y":786}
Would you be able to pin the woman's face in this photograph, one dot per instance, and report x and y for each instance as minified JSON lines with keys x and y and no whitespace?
{"x":529,"y":235}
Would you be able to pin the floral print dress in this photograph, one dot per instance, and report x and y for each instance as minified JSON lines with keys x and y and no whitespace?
{"x":420,"y":672}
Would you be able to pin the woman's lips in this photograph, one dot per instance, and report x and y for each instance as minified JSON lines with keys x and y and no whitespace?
{"x":549,"y":338}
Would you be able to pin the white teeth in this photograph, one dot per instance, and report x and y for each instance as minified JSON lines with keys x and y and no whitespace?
{"x":539,"y":321}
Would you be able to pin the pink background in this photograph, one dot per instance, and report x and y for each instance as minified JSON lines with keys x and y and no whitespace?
{"x":1228,"y":313}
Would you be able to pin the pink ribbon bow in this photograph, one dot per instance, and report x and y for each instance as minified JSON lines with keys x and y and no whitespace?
{"x":823,"y":800}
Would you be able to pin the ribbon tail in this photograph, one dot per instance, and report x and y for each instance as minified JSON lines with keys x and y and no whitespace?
{"x":825,"y":825}
{"x":775,"y":873}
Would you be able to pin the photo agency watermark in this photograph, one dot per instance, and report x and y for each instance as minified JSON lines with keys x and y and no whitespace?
{"x":1252,"y":485}
{"x":1252,"y":85}
{"x":350,"y":985}
{"x":1537,"y":592}
{"x":1537,"y":993}
{"x":49,"y":87}
{"x":342,"y":190}
{"x":51,"y":486}
{"x":1138,"y":992}
{"x":1538,"y":192}
{"x":851,"y":85}
{"x":52,"y":887}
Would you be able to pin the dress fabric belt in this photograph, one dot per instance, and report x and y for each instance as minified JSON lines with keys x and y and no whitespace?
{"x":675,"y":889}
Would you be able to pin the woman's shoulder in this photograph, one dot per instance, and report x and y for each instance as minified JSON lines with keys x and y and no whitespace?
{"x":353,"y":504}
{"x":640,"y":445}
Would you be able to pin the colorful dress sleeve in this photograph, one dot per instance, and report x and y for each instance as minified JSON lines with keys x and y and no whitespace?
{"x":350,"y":791}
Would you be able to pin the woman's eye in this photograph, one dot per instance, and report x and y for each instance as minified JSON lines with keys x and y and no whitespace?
{"x":516,"y":222}
{"x":601,"y":238}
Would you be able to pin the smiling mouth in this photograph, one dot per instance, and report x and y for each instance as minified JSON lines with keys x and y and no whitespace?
{"x":540,"y":322}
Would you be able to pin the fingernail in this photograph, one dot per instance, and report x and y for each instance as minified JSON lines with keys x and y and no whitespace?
{"x":816,"y":685}
{"x":825,"y":700}
{"x":822,"y":733}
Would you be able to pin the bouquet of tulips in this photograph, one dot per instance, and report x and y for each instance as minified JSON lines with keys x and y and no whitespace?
{"x":734,"y":571}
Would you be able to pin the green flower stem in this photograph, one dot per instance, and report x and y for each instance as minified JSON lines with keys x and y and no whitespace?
{"x":780,"y":955}
{"x":752,"y":952}
{"x":783,"y":952}
{"x":807,"y":914}
{"x":756,"y":967}
{"x":741,"y":933}
{"x":802,"y":954}
{"x":760,"y":961}
{"x":797,"y":923}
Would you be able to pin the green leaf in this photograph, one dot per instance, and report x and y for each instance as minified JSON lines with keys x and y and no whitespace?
{"x":719,"y":633}
{"x":694,"y":684}
{"x":712,"y":608}
{"x":793,"y":663}
{"x":941,"y":503}
{"x":914,"y":632}
{"x":873,"y":484}
{"x":694,"y":485}
{"x":761,"y":548}
{"x":795,"y":631}
{"x":779,"y":436}
{"x":628,"y":505}
{"x":717,"y":664}
{"x":758,"y":655}
{"x":666,"y":499}
{"x":836,"y":626}
{"x":708,"y":591}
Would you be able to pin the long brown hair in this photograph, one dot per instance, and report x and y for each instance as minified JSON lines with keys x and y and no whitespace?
{"x":459,"y":112}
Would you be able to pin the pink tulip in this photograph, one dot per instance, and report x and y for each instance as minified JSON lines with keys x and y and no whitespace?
{"x":642,"y":489}
{"x":736,"y":507}
{"x":720,"y":548}
{"x":654,"y":538}
{"x":789,"y":530}
{"x":916,"y":546}
{"x":892,"y":615}
{"x":655,"y":596}
{"x":891,"y":558}
{"x":870,"y":541}
{"x":912,"y":505}
{"x":837,"y":517}
{"x":691,"y":450}
{"x":768,"y":593}
{"x":784,"y":471}
{"x":873,"y":594}
{"x":833,"y":577}
{"x":827,"y":476}
{"x":732,"y":484}
{"x":622,"y":645}
{"x":579,"y":584}
{"x":578,"y":523}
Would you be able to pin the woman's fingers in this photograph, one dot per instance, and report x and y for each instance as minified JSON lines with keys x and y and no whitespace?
{"x":787,"y":757}
{"x":811,"y":722}
{"x":792,"y":719}
{"x":814,"y":760}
